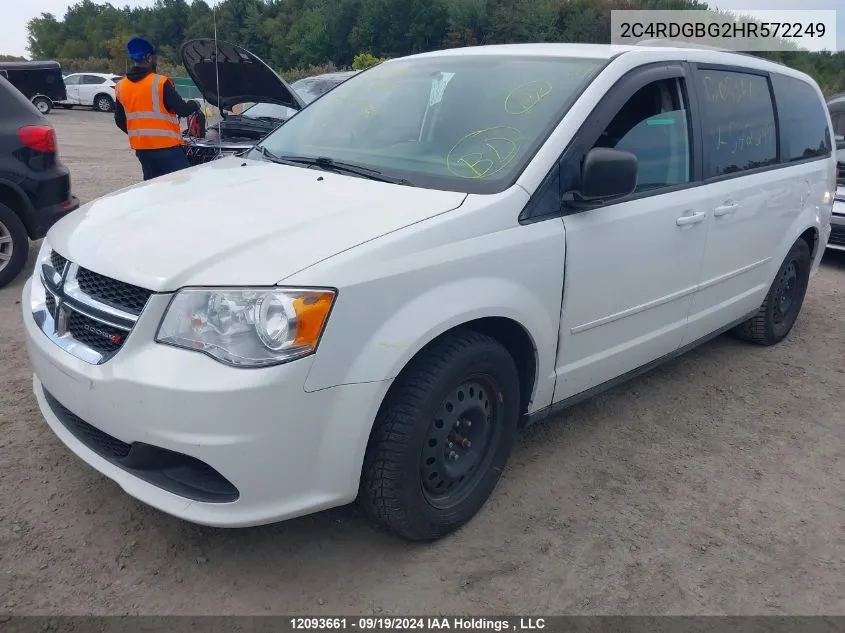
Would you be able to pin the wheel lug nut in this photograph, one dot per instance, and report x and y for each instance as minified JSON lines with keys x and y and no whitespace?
{"x":453,"y":456}
{"x":451,"y":445}
{"x":469,"y":423}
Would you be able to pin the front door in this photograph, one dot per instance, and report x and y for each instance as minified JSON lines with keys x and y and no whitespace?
{"x":632,"y":266}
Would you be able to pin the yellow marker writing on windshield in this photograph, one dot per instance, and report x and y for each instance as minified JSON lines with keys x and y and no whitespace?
{"x":483,"y":153}
{"x":523,"y":98}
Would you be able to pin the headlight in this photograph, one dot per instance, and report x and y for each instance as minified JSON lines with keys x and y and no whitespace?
{"x":247,"y":327}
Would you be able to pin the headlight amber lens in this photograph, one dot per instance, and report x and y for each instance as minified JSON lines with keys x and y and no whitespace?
{"x":247,"y":327}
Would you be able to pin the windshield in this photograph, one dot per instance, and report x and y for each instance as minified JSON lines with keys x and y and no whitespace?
{"x":460,"y":123}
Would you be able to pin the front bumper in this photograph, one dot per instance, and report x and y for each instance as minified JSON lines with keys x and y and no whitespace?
{"x":285,"y":451}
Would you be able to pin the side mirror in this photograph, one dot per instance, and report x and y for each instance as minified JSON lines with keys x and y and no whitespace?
{"x":607,"y":173}
{"x":840,"y":143}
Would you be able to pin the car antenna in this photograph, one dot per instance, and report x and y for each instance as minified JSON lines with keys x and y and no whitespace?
{"x":217,"y":73}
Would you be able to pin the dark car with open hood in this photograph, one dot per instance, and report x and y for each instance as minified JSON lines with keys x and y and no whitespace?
{"x":243,"y":78}
{"x":34,"y":185}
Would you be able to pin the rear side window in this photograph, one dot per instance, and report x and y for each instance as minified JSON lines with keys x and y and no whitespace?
{"x":738,"y":121}
{"x":803,"y":124}
{"x":92,"y":79}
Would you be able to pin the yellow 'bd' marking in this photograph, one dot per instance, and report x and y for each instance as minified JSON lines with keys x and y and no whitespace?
{"x":483,"y":153}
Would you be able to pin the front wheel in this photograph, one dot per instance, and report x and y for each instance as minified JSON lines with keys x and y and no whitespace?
{"x":104,"y":103}
{"x":442,"y":437}
{"x":43,"y":104}
{"x":780,"y":308}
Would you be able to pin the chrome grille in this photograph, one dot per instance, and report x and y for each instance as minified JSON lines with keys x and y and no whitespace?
{"x":117,"y":294}
{"x":87,"y":314}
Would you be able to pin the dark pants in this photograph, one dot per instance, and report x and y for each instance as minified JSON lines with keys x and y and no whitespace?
{"x":158,"y":162}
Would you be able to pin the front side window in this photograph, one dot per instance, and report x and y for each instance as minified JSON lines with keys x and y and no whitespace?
{"x":803,"y":124}
{"x":457,"y":122}
{"x":654,"y":126}
{"x":72,"y":80}
{"x":738,"y":121}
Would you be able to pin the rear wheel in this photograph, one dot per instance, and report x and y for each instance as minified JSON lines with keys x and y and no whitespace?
{"x":442,"y":437}
{"x":104,"y":103}
{"x":14,"y":245}
{"x":780,"y":309}
{"x":43,"y":104}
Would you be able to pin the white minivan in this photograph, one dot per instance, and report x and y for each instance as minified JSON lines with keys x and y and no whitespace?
{"x":371,"y":302}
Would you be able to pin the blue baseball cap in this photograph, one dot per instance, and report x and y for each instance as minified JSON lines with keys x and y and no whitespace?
{"x":139,"y":48}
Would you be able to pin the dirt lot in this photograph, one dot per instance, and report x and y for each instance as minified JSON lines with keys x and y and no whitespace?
{"x":712,"y":485}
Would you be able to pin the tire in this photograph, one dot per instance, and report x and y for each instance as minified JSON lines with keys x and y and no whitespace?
{"x":103,"y":103}
{"x":14,"y":245}
{"x":780,"y":309}
{"x":43,"y":104}
{"x":415,"y":452}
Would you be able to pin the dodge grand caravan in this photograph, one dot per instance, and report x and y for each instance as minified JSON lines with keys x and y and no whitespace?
{"x":373,"y":310}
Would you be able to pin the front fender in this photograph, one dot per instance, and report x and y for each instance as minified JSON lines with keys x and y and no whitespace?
{"x":400,"y":292}
{"x":396,"y":340}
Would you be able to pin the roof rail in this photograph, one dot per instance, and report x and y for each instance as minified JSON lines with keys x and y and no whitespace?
{"x":682,"y":44}
{"x":679,"y":44}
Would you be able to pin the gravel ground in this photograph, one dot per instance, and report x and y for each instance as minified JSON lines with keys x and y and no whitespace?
{"x":711,"y":485}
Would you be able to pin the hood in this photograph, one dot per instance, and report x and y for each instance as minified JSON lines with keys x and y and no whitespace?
{"x":236,"y":222}
{"x":243,"y":77}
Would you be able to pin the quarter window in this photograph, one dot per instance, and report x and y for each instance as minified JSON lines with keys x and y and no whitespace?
{"x":654,"y":126}
{"x":803,"y":124}
{"x":738,"y":122}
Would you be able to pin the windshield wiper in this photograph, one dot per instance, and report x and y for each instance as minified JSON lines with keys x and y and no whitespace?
{"x":329,"y":164}
{"x":272,"y":157}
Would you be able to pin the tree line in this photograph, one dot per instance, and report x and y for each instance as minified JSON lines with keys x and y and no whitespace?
{"x":300,"y":37}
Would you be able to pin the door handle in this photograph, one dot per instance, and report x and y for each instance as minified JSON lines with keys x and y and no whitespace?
{"x":693,"y":218}
{"x":725,"y":209}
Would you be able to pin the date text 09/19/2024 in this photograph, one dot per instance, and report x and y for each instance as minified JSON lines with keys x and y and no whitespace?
{"x":417,"y":623}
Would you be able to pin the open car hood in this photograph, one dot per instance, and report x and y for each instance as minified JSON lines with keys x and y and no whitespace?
{"x":243,"y":77}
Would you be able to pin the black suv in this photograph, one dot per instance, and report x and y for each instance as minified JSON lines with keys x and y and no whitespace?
{"x":34,"y":185}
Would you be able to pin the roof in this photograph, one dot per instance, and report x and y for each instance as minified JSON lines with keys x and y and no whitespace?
{"x":30,"y":65}
{"x":681,"y":50}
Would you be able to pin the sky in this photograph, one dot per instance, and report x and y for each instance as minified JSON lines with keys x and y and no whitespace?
{"x":16,"y":14}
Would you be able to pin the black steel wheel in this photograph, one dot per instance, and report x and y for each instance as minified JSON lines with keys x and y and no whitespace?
{"x":457,"y":446}
{"x":780,"y":309}
{"x":442,"y":437}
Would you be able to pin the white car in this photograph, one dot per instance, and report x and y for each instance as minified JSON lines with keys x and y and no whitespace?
{"x":95,"y":90}
{"x":448,"y":246}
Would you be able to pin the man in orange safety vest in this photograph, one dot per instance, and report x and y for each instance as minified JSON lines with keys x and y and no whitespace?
{"x":147,"y":108}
